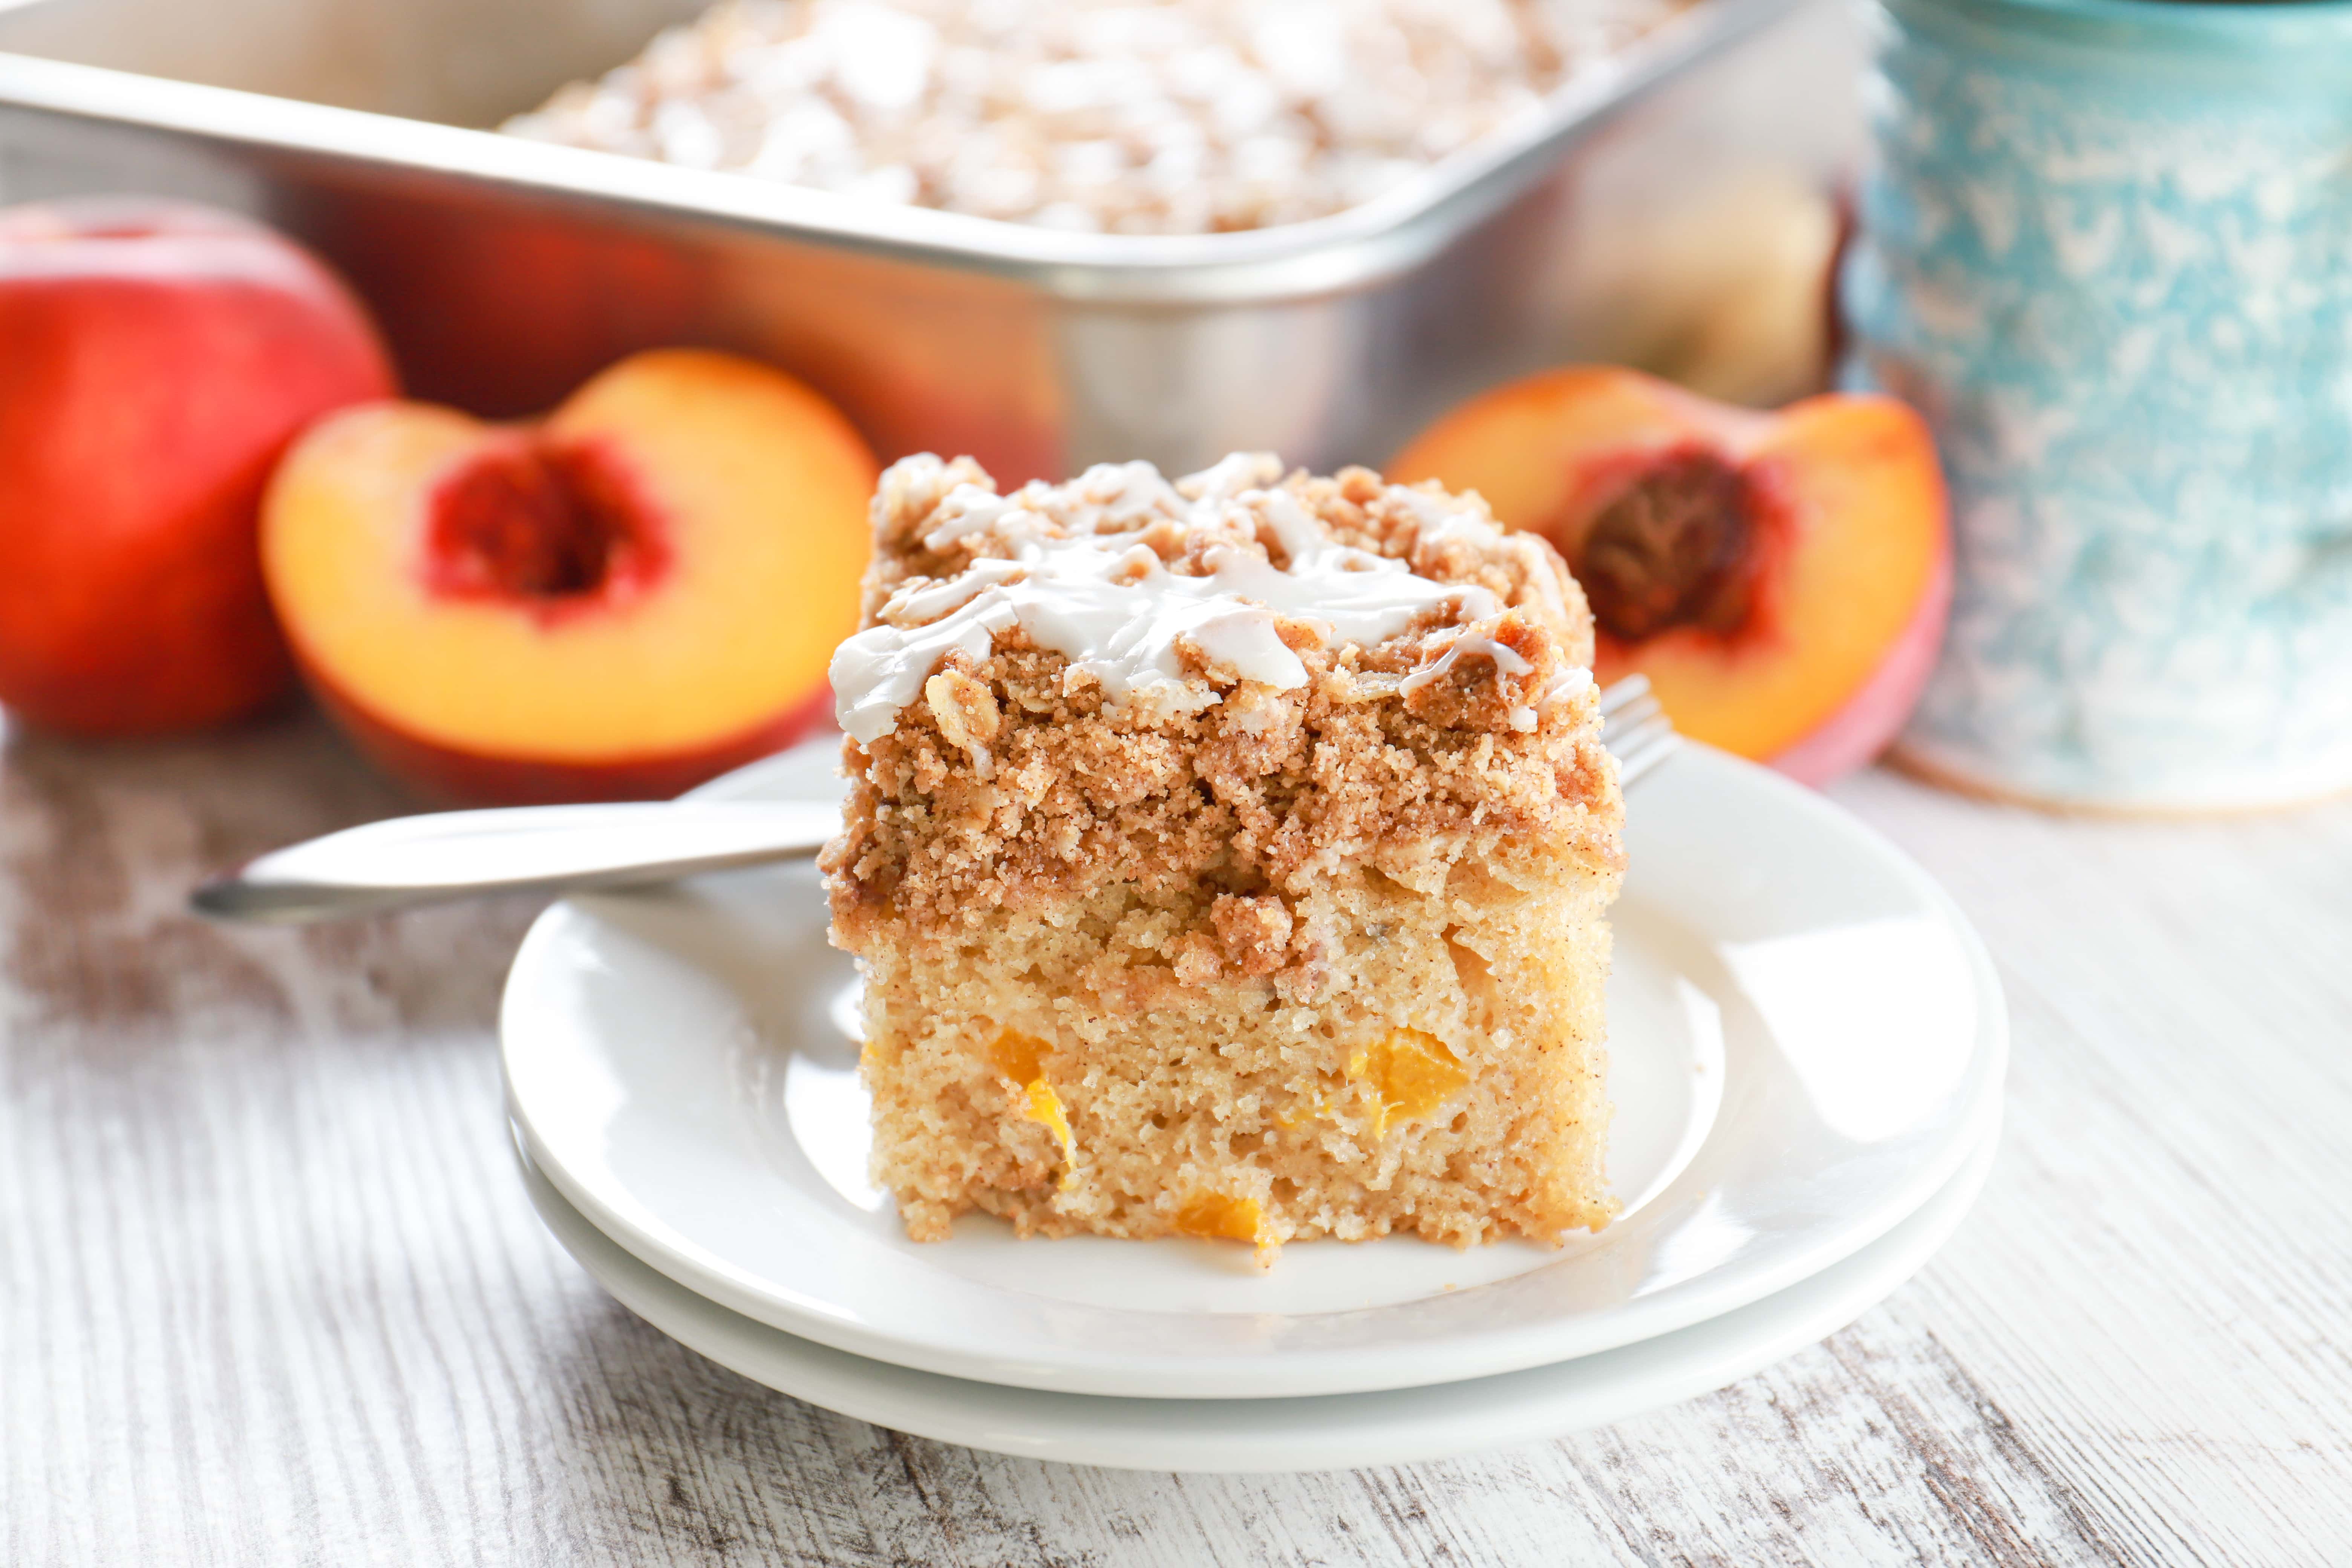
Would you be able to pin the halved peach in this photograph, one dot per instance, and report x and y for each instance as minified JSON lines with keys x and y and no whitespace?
{"x":1782,"y":578}
{"x":638,"y":593}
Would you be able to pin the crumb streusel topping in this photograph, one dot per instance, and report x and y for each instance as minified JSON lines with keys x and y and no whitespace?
{"x":1165,"y":596}
{"x":1250,"y":682}
{"x":1173,"y":117}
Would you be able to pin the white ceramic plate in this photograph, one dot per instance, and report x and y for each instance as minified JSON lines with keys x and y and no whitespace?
{"x":1806,"y":1041}
{"x":1329,"y":1432}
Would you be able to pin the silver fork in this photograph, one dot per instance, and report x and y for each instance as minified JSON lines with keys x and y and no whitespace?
{"x":1636,"y":729}
{"x":426,"y":859}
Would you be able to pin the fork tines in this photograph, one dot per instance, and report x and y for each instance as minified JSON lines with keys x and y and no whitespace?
{"x":1635,"y":728}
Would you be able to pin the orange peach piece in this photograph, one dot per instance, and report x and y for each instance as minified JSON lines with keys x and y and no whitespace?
{"x":1218,"y":1216}
{"x":1782,"y":578}
{"x":1020,"y":1057}
{"x":638,"y":593}
{"x":1410,"y":1073}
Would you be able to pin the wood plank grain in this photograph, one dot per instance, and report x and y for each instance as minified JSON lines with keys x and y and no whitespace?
{"x":270,"y":1293}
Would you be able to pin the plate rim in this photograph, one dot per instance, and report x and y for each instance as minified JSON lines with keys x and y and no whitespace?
{"x":1302,"y":1372}
{"x":1472,"y":1415}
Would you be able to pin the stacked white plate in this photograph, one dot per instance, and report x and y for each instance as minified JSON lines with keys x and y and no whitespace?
{"x":1806,"y":1051}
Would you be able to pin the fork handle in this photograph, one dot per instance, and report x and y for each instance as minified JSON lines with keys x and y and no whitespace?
{"x":412,"y":860}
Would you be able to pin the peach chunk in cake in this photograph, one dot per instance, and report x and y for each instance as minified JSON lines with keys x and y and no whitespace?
{"x":1226,"y":857}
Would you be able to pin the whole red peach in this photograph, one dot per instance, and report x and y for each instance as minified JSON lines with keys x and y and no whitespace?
{"x":155,"y":358}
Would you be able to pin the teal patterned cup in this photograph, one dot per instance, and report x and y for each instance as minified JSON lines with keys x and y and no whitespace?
{"x":2105,"y":247}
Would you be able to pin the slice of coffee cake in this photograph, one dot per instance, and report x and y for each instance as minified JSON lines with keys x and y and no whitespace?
{"x":1227,"y":858}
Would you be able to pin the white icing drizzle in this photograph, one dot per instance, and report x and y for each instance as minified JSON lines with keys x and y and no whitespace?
{"x":1225,"y":479}
{"x":1507,"y":658}
{"x":1569,"y":683}
{"x":969,"y":509}
{"x":1508,"y":661}
{"x":1441,"y":525}
{"x":1104,"y":600}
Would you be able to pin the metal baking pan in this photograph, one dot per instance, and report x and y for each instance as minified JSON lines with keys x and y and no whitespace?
{"x":505,"y":270}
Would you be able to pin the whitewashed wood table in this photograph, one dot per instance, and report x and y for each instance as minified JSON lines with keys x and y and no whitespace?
{"x":271,"y":1291}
